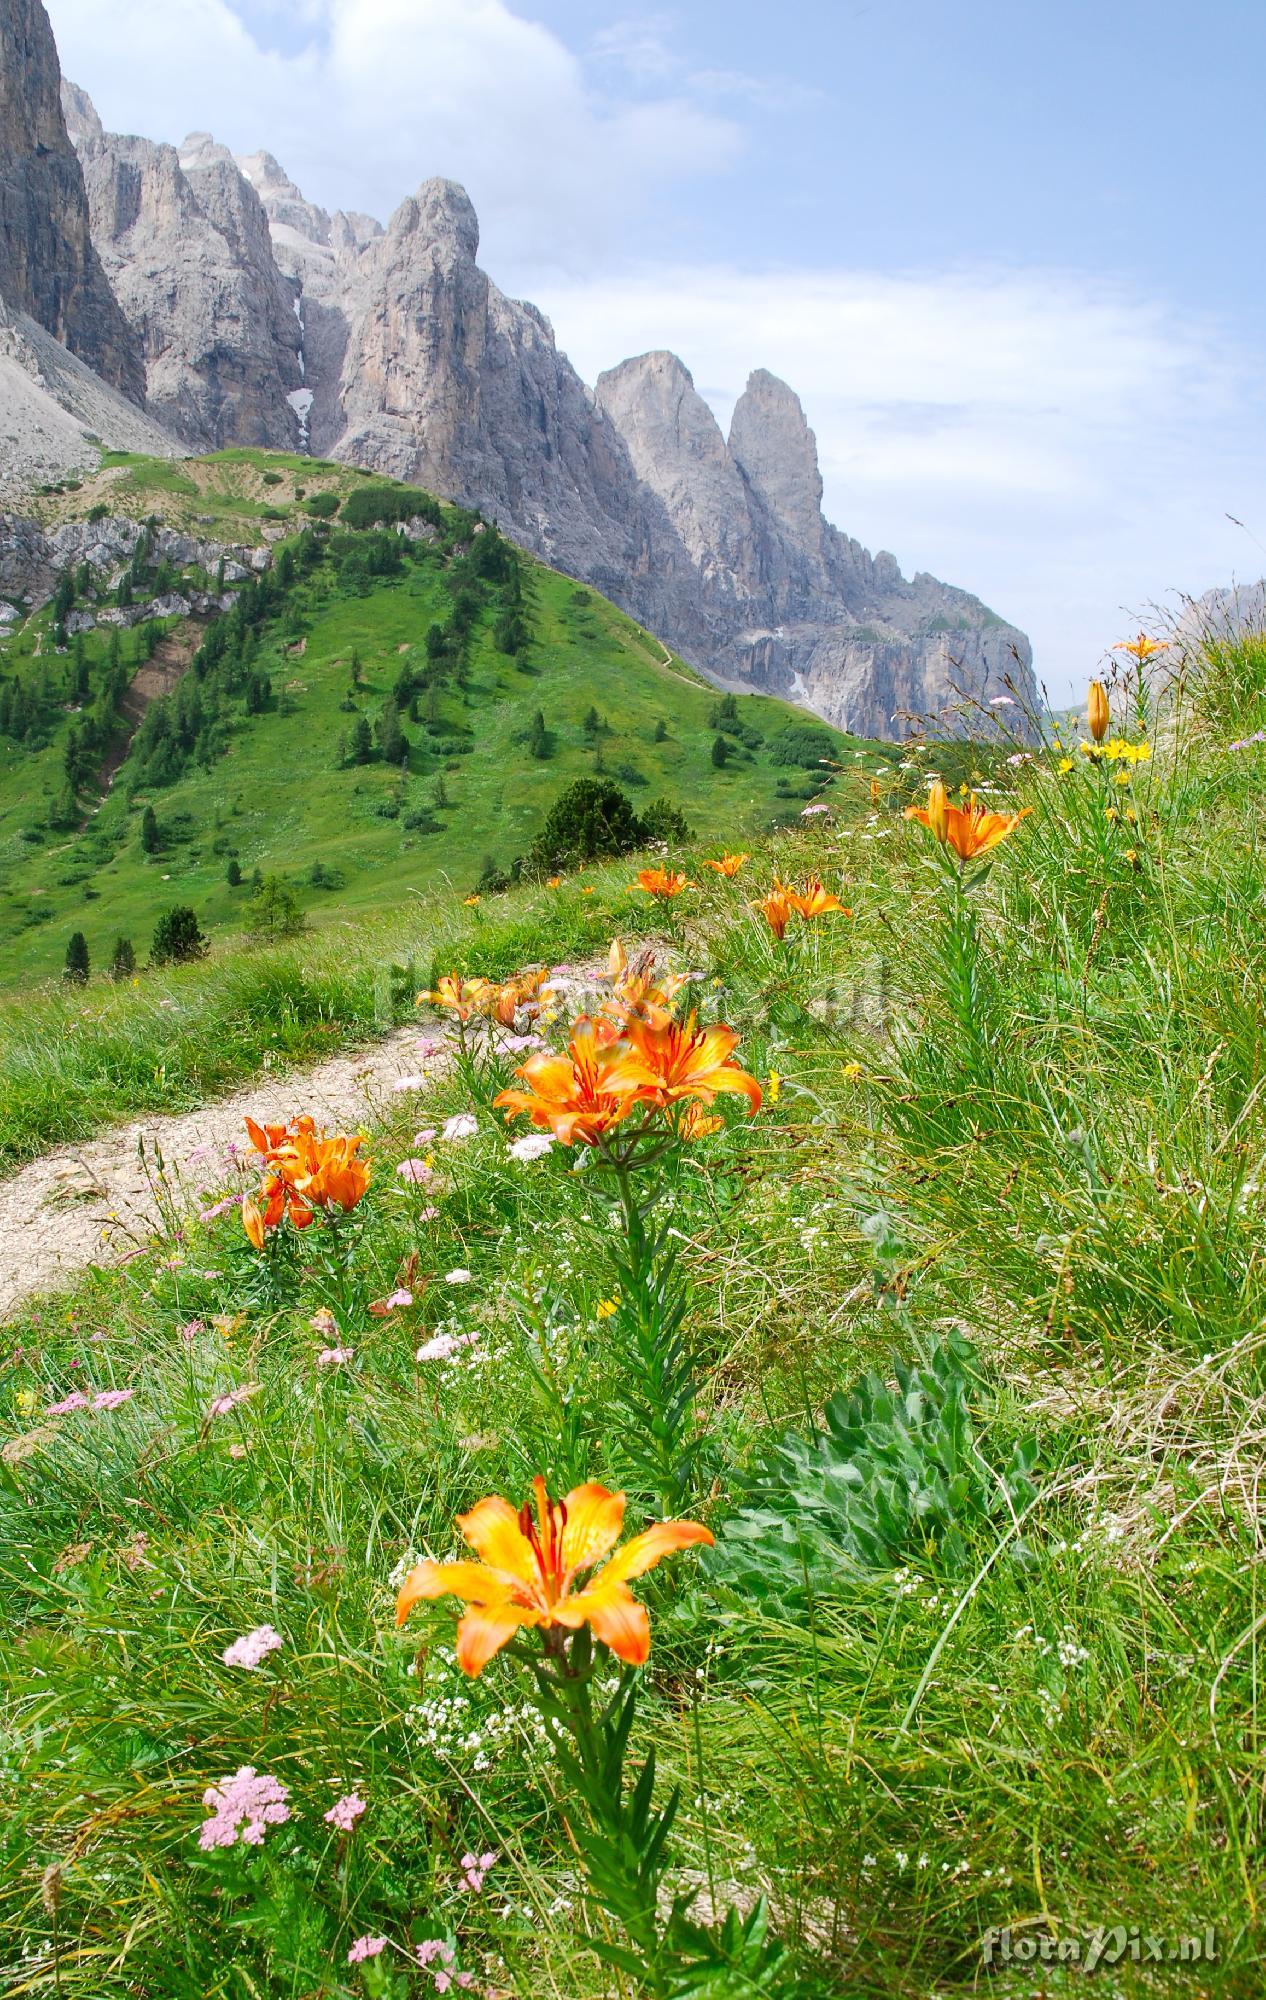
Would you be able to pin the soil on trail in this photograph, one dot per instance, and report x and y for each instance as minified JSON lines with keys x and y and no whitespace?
{"x":99,"y":1203}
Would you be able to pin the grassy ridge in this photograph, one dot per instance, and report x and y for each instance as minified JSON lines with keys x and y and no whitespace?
{"x":284,"y":797}
{"x":1031,"y":1705}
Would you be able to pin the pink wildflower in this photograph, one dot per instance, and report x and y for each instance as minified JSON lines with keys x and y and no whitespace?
{"x":366,"y":1947}
{"x":410,"y":1083}
{"x":430,"y":1214}
{"x":191,"y":1329}
{"x":475,"y":1869}
{"x":424,"y":1138}
{"x":75,"y":1401}
{"x":463,"y":1126}
{"x":218,"y":1208}
{"x":334,"y":1357}
{"x":415,"y":1171}
{"x":253,"y":1648}
{"x":110,"y":1399}
{"x":242,"y":1808}
{"x":344,"y":1813}
{"x":219,"y":1406}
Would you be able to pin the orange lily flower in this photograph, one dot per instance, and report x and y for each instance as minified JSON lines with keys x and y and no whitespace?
{"x":462,"y":997}
{"x":728,"y":865}
{"x":813,"y":900}
{"x":326,"y":1173}
{"x":527,"y":1576}
{"x":1098,"y":714}
{"x":660,"y":882}
{"x":1141,"y":648}
{"x":696,"y":1123}
{"x":970,"y":830}
{"x":554,"y":882}
{"x":572,"y":1095}
{"x":253,"y":1222}
{"x":776,"y":910}
{"x":665,"y":1064}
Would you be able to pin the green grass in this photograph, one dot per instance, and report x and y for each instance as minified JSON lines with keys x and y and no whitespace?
{"x":1051,"y":1140}
{"x":282,"y":798}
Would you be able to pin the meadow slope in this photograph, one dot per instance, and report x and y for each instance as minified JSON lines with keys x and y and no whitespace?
{"x":954,"y":1345}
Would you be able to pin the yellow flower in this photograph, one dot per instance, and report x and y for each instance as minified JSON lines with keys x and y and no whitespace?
{"x":606,"y":1307}
{"x":774,"y":1087}
{"x":470,"y":901}
{"x":1066,"y":764}
{"x":26,"y":1400}
{"x":852,"y":1070}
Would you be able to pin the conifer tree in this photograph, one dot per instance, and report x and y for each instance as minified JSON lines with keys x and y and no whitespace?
{"x":76,"y":972}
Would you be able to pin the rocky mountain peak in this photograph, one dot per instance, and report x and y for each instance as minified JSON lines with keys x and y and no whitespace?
{"x":80,"y":113}
{"x":772,"y":444}
{"x":441,"y":212}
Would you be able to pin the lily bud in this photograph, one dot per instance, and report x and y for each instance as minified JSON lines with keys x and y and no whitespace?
{"x":938,"y":811}
{"x":1097,"y":711}
{"x":253,"y":1222}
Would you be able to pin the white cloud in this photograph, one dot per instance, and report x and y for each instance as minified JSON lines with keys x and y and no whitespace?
{"x":1065,"y":449}
{"x":387,"y":92}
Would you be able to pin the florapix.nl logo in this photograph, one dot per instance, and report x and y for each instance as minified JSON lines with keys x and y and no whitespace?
{"x":1100,"y":1945}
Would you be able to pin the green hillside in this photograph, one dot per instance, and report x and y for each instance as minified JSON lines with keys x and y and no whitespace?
{"x":278,"y":748}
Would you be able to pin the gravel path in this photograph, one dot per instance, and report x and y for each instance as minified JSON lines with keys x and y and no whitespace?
{"x":96,"y":1203}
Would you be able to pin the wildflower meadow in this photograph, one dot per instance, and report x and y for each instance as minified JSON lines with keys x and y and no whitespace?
{"x":744,"y":1481}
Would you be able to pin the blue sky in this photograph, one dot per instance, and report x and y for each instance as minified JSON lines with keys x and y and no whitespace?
{"x":1006,"y":254}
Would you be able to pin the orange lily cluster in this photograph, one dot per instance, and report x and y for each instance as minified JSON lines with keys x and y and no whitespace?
{"x":783,"y":902}
{"x":526,"y":1579}
{"x":497,"y":1002}
{"x":971,"y":830}
{"x":306,"y":1172}
{"x":661,"y":883}
{"x":634,"y":1056}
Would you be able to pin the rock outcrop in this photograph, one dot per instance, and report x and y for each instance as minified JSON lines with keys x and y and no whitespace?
{"x":186,"y":243}
{"x":49,"y":267}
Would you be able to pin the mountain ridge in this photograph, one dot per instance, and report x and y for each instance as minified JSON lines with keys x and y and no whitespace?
{"x":261,"y":319}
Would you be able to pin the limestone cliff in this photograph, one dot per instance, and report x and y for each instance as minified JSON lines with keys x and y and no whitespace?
{"x":49,"y":268}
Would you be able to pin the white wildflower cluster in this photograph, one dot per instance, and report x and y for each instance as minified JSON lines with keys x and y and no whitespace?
{"x":477,"y":1738}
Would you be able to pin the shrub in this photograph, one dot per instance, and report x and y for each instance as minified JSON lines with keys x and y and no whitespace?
{"x":177,"y":938}
{"x":378,"y":505}
{"x":587,"y":822}
{"x":662,"y":820}
{"x":322,"y":506}
{"x":800,"y":743}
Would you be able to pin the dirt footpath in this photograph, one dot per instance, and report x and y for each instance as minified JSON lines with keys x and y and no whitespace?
{"x":96,"y":1203}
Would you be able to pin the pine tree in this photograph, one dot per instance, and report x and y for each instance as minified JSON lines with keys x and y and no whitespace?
{"x":76,"y":972}
{"x":233,"y":874}
{"x":391,"y":738}
{"x":151,"y":839}
{"x":661,"y":730}
{"x":441,"y":792}
{"x":538,"y":740}
{"x":177,"y":938}
{"x":720,"y":752}
{"x":123,"y":963}
{"x":361,"y":745}
{"x":358,"y":671}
